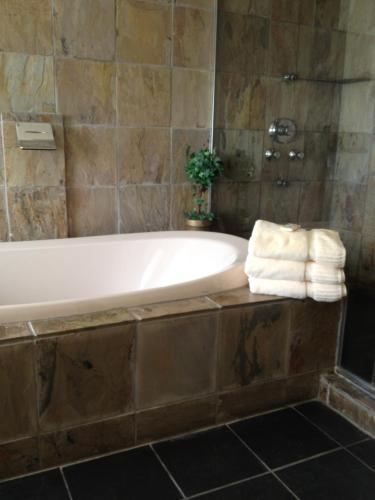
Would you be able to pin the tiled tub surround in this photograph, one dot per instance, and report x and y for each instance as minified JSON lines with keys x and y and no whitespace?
{"x":81,"y":386}
{"x":133,"y":80}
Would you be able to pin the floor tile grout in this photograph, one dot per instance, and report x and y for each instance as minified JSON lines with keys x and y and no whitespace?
{"x":263,"y":463}
{"x":171,"y":477}
{"x":66,"y":483}
{"x":228,"y":485}
{"x":342,"y":446}
{"x":307,"y":459}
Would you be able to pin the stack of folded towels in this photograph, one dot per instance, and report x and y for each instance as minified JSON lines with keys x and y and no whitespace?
{"x":293,"y":262}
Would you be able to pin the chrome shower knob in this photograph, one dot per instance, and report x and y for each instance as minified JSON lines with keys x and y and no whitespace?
{"x":271,"y":154}
{"x":296,"y":155}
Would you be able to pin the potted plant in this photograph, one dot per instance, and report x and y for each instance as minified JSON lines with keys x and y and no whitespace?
{"x":202,"y":169}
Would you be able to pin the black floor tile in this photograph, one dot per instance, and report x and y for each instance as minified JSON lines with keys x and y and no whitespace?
{"x":331,"y":422}
{"x":282,"y":437}
{"x":133,"y":475}
{"x":336,"y":475}
{"x":260,"y":488}
{"x":45,"y":486}
{"x":365,"y":451}
{"x":207,"y":460}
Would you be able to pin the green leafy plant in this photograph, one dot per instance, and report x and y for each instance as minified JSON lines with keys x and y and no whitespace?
{"x":202,"y":169}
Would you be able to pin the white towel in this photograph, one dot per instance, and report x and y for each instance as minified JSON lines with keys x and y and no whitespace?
{"x":327,"y":247}
{"x":326,"y":293}
{"x":298,"y":290}
{"x":282,"y":288}
{"x":273,"y":241}
{"x":278,"y":269}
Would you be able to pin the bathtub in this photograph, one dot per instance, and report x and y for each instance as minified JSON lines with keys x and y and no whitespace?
{"x":54,"y":278}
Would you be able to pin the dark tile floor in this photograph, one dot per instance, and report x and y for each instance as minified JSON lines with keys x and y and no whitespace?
{"x":306,"y":452}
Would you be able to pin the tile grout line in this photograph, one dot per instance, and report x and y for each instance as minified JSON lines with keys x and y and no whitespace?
{"x":229,"y":485}
{"x":167,"y":471}
{"x":66,"y":483}
{"x":342,"y":446}
{"x":307,"y":459}
{"x":263,"y":463}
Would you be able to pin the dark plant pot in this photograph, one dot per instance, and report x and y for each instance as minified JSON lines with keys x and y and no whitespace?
{"x":198,"y":225}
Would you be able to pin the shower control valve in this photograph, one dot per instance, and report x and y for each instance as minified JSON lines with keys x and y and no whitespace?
{"x":296,"y":155}
{"x":271,"y":154}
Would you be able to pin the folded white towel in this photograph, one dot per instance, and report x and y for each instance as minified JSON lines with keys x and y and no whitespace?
{"x":327,"y":247}
{"x":278,"y":269}
{"x":282,"y":288}
{"x":326,"y":293}
{"x":298,"y":290}
{"x":324,"y":273}
{"x":273,"y":241}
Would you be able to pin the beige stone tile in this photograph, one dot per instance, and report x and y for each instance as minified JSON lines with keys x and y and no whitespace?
{"x":321,"y":53}
{"x":242,"y":43}
{"x":85,"y":91}
{"x":357,"y":108}
{"x":204,"y":4}
{"x":19,"y":457}
{"x":144,"y":208}
{"x":232,"y":98}
{"x":26,"y":27}
{"x":90,"y":156}
{"x":176,"y":359}
{"x":360,"y":17}
{"x":236,"y":205}
{"x":314,"y":335}
{"x":175,"y":419}
{"x":369,"y":214}
{"x":307,"y":12}
{"x":144,"y":96}
{"x":353,"y":157}
{"x":283,"y":49}
{"x":33,"y":168}
{"x":285,"y":10}
{"x":37,"y":214}
{"x":280,"y":204}
{"x":327,"y":13}
{"x":26,"y":83}
{"x":91,"y":211}
{"x":85,"y":29}
{"x":311,"y":201}
{"x":191,"y":98}
{"x":254,"y":7}
{"x":316,"y":105}
{"x":193,"y":38}
{"x":181,"y":202}
{"x":144,"y":155}
{"x":283,"y":168}
{"x":352,"y":243}
{"x":241,"y":296}
{"x":14,"y":331}
{"x":185,"y":142}
{"x":242,"y":154}
{"x":348,"y":202}
{"x":144,"y":32}
{"x":3,"y":220}
{"x":86,"y":441}
{"x":318,"y":157}
{"x":81,"y":322}
{"x":252,"y":344}
{"x":177,"y":307}
{"x":359,"y":56}
{"x":85,"y":376}
{"x":17,"y":392}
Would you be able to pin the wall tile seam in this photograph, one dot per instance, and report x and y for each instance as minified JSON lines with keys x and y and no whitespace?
{"x":358,"y":404}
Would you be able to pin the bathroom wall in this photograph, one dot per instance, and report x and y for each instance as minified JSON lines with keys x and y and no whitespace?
{"x":258,"y":41}
{"x":352,"y":181}
{"x":133,"y":83}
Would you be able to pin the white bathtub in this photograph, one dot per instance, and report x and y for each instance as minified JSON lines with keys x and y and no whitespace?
{"x":40,"y":279}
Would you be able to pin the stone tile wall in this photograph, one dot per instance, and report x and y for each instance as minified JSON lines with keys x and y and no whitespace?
{"x":257,"y":43}
{"x":85,"y":385}
{"x":351,"y":184}
{"x":133,"y":81}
